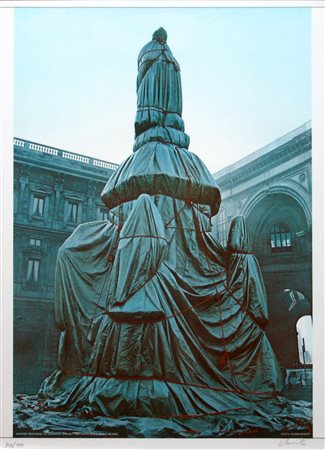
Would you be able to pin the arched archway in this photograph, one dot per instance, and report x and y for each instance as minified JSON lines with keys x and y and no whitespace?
{"x":304,"y":329}
{"x":281,"y":241}
{"x":276,"y":210}
{"x":294,"y":193}
{"x":286,"y":307}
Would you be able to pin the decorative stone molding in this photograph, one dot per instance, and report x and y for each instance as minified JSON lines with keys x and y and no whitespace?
{"x":280,"y":189}
{"x":302,"y":177}
{"x":22,"y":143}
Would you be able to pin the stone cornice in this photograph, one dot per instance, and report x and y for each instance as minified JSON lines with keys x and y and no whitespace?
{"x":49,"y":299}
{"x":49,"y":158}
{"x":280,"y":178}
{"x":55,"y":166}
{"x":25,"y":227}
{"x":279,"y":155}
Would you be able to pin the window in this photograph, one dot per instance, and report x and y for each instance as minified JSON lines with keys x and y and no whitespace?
{"x":35,"y":242}
{"x":73,"y":208}
{"x":33,"y":270}
{"x":280,"y":238}
{"x":102,"y":214}
{"x":222,"y":227}
{"x":38,"y":205}
{"x":15,"y":200}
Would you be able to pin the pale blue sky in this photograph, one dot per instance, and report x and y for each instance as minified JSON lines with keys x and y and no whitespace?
{"x":246,"y":75}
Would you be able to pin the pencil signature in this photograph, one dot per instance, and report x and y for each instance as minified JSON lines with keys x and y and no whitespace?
{"x":287,"y":442}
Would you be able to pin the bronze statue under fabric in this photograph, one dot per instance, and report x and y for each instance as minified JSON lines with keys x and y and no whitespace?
{"x":157,"y":319}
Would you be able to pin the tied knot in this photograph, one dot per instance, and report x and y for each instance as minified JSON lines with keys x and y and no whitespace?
{"x":160,"y":35}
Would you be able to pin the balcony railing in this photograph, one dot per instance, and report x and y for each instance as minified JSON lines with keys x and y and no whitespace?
{"x":32,"y":286}
{"x":27,"y":145}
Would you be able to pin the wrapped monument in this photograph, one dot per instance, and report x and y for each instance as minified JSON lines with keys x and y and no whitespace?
{"x":162,"y":329}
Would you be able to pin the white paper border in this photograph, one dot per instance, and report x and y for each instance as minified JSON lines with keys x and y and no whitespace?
{"x":6,"y":136}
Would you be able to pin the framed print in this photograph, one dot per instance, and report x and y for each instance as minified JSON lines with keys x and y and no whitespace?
{"x":162,"y":229}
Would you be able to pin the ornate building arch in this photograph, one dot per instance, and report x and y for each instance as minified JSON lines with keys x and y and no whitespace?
{"x":296,"y":192}
{"x":281,"y":212}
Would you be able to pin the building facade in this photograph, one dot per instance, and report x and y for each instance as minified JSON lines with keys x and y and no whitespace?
{"x":272,"y":187}
{"x":54,"y":191}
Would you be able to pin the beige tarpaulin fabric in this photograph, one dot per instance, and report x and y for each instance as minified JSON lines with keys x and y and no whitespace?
{"x":162,"y":329}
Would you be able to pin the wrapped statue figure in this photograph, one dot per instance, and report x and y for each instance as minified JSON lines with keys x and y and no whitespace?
{"x":158,"y":320}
